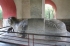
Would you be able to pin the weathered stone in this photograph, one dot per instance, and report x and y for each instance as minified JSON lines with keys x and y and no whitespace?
{"x":55,"y":27}
{"x":36,"y":25}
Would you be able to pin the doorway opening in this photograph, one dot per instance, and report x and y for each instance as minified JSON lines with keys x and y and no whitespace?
{"x":49,"y":12}
{"x":1,"y":17}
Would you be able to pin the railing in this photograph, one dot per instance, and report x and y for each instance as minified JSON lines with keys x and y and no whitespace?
{"x":33,"y":34}
{"x":33,"y":38}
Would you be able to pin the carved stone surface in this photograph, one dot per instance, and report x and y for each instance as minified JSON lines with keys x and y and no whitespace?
{"x":41,"y":26}
{"x":18,"y":26}
{"x":55,"y":27}
{"x":36,"y":25}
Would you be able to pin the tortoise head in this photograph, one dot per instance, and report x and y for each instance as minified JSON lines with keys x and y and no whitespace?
{"x":12,"y":20}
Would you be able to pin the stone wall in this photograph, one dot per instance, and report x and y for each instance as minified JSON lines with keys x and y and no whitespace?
{"x":36,"y":8}
{"x":1,"y":23}
{"x":28,"y":8}
{"x":18,"y":4}
{"x":63,"y":9}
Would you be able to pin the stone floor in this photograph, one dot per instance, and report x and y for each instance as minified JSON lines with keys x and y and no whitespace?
{"x":12,"y":38}
{"x":9,"y":44}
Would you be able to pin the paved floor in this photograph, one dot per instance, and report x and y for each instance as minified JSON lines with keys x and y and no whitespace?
{"x":5,"y":37}
{"x":8,"y":44}
{"x":12,"y":38}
